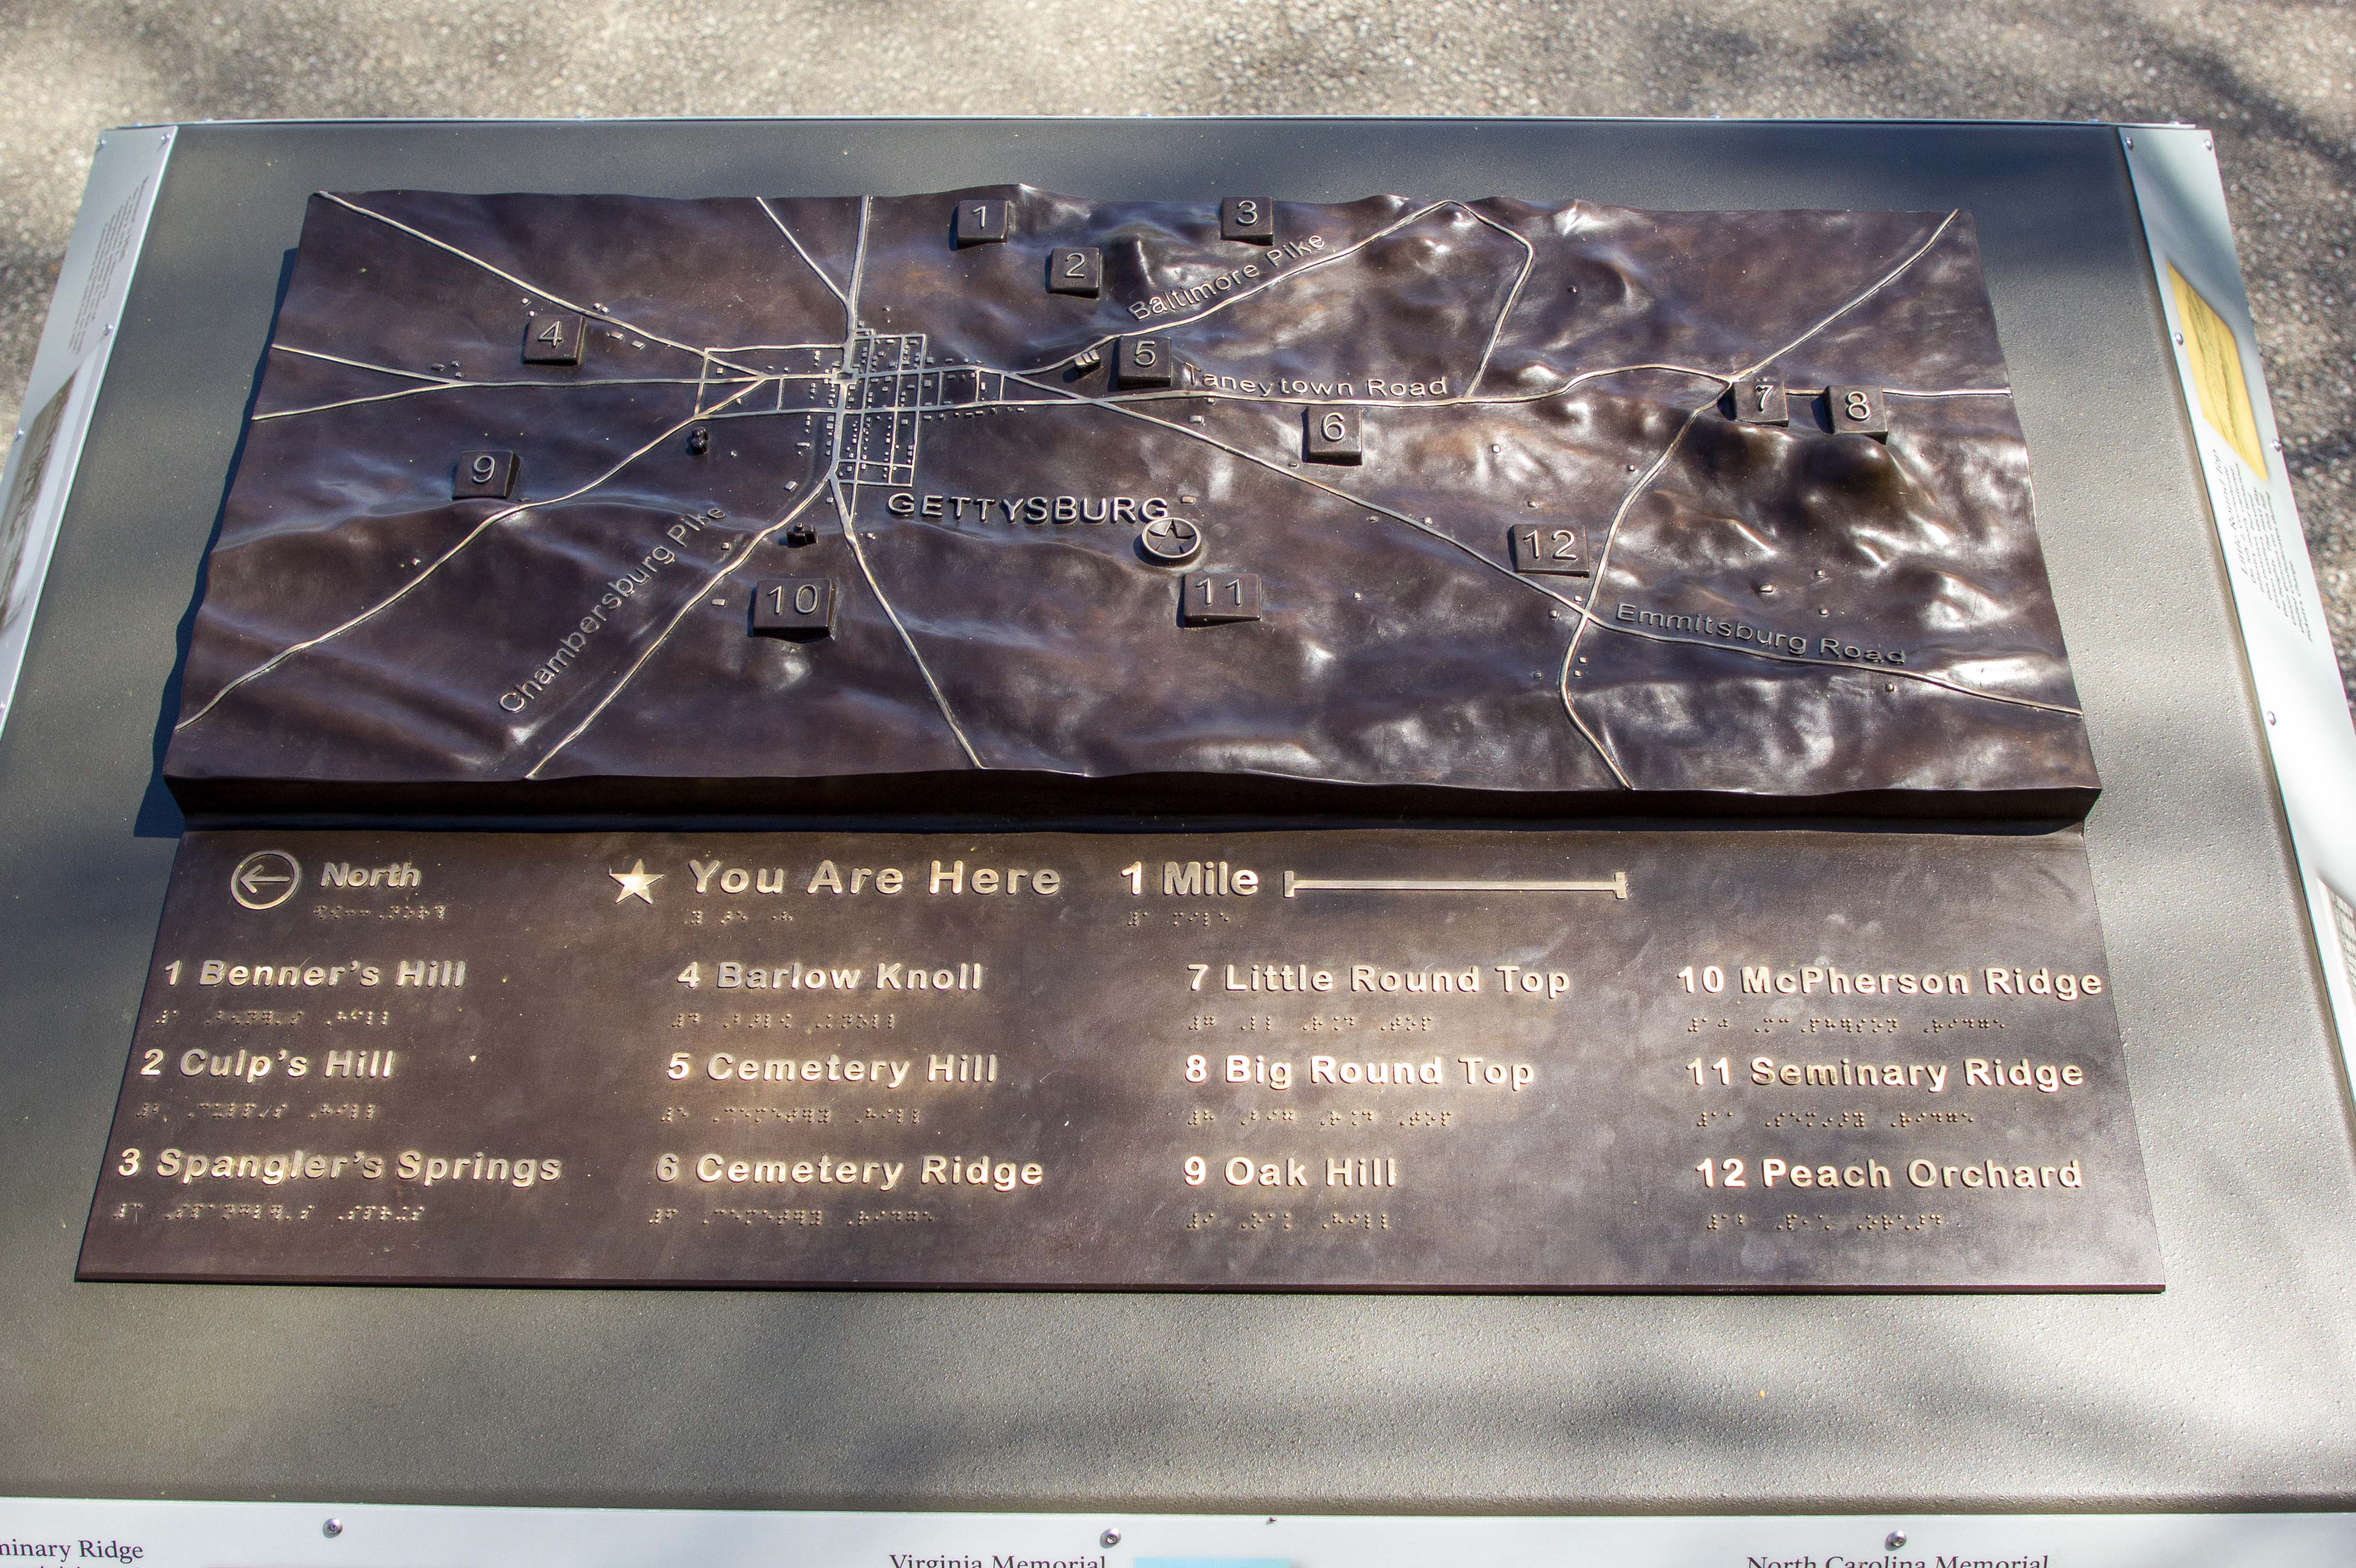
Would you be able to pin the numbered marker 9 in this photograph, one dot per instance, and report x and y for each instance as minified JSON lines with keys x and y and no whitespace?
{"x":484,"y":474}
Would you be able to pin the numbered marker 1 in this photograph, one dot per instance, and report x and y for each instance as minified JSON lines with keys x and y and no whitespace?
{"x":1251,"y":219}
{"x":1079,"y":269}
{"x":1555,"y":549}
{"x":1143,"y":362}
{"x":1333,"y":435}
{"x":1216,"y":598}
{"x":491,"y":474}
{"x":983,"y":221}
{"x":793,"y":607}
{"x":552,"y":339}
{"x":1857,"y":411}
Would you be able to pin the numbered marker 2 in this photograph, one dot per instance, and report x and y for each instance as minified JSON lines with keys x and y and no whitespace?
{"x":1215,"y":598}
{"x":491,"y":474}
{"x":1079,"y":269}
{"x":1557,"y":549}
{"x":793,"y":607}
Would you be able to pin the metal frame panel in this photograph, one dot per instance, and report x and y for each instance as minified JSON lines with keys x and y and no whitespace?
{"x":2235,"y":1388}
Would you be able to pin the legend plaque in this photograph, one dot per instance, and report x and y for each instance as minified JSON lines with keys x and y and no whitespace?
{"x":1350,"y":1059}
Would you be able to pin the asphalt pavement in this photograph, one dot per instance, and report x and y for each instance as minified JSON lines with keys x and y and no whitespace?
{"x":2275,"y":80}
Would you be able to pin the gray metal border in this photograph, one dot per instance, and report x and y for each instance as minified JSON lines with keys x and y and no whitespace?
{"x":2234,"y":1389}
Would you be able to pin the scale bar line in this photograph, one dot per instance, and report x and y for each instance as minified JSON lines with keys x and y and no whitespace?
{"x":1617,"y":885}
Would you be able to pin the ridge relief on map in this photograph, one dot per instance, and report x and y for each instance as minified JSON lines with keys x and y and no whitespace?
{"x":1478,"y":496}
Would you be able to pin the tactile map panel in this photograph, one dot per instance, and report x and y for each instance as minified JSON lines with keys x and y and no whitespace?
{"x":1530,"y":502}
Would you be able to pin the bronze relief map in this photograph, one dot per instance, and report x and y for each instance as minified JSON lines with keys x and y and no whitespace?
{"x":1556,"y":503}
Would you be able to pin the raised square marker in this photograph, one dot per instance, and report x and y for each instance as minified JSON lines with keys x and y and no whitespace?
{"x":1333,"y":435}
{"x":983,"y":220}
{"x":484,"y":474}
{"x":1857,"y":411}
{"x":793,"y":607}
{"x":1550,"y":549}
{"x":1216,"y":598}
{"x":553,"y":339}
{"x":1759,"y":401}
{"x":1143,"y":362}
{"x":1077,"y":270}
{"x":1251,"y":219}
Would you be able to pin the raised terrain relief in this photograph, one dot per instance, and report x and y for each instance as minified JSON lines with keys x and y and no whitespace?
{"x":1548,"y":503}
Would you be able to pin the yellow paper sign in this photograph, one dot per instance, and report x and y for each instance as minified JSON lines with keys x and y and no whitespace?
{"x":2217,"y":382}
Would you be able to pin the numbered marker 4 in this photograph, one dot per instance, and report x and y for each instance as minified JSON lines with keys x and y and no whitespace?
{"x":553,"y":339}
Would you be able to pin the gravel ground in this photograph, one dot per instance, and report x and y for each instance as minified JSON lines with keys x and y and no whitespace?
{"x":2274,"y":79}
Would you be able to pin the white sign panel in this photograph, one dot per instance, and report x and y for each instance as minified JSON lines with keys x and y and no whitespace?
{"x":68,"y":369}
{"x":2292,"y":668}
{"x":298,"y":1535}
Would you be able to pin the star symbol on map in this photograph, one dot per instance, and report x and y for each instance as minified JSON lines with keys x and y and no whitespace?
{"x":635,"y":882}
